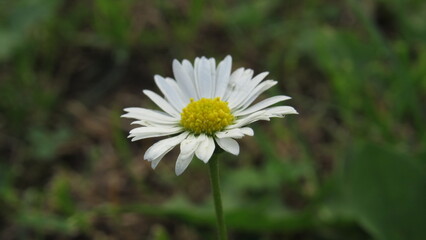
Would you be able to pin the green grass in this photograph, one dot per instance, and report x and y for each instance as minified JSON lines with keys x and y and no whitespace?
{"x":351,"y":165}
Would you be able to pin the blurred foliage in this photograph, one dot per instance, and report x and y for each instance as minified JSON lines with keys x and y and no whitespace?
{"x":350,"y":166}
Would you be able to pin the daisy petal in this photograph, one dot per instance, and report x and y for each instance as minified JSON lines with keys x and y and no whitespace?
{"x":205,"y":149}
{"x":259,"y":77}
{"x":149,"y":132}
{"x":256,"y":92}
{"x":261,"y":105}
{"x":157,"y":151}
{"x":238,"y":84}
{"x":149,"y":115}
{"x":153,"y":123}
{"x":248,"y":88}
{"x":212,"y":62}
{"x":265,"y":114}
{"x":184,"y":80}
{"x":245,"y":120}
{"x":229,"y":145}
{"x":164,"y":146}
{"x":182,"y":163}
{"x":232,"y":83}
{"x":187,"y":149}
{"x":235,"y":133}
{"x":171,"y":91}
{"x":156,"y":161}
{"x":223,"y":73}
{"x":247,"y":131}
{"x":189,"y":70}
{"x":163,"y":104}
{"x":204,"y":81}
{"x":280,"y":111}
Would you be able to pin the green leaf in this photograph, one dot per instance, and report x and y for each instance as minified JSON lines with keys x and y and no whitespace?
{"x":385,"y":192}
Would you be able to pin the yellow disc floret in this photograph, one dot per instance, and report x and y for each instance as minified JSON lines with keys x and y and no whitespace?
{"x":206,"y":116}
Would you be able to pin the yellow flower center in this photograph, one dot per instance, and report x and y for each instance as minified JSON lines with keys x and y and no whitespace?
{"x":206,"y":116}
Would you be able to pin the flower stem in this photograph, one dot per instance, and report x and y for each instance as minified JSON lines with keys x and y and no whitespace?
{"x":214,"y":179}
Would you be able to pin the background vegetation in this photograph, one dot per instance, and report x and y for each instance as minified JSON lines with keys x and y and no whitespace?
{"x":350,"y":166}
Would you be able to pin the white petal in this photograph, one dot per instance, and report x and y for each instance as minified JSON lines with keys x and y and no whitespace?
{"x":163,"y":104}
{"x":247,"y":131}
{"x":187,"y":149}
{"x":149,"y":115}
{"x":164,"y":146}
{"x":264,"y":114}
{"x":205,"y":149}
{"x":261,"y":105}
{"x":280,"y":111}
{"x":230,"y":88}
{"x":156,"y":153}
{"x":189,"y":145}
{"x":245,"y":120}
{"x":154,"y":129}
{"x":171,"y":91}
{"x":229,"y":145}
{"x":242,"y":88}
{"x":154,"y":124}
{"x":182,"y":163}
{"x":235,"y":133}
{"x":204,"y":81}
{"x":259,"y":77}
{"x":189,"y":70}
{"x":238,"y":86}
{"x":223,"y":73}
{"x":156,"y":161}
{"x":256,"y":92}
{"x":213,"y":77}
{"x":247,"y":88}
{"x":184,"y":80}
{"x":149,"y":132}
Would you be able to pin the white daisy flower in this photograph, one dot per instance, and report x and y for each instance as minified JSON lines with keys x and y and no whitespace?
{"x":203,"y":106}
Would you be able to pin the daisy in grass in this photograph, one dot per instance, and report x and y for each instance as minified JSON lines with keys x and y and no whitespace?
{"x":204,"y":107}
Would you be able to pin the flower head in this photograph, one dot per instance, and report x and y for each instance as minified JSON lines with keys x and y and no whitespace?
{"x":203,"y":106}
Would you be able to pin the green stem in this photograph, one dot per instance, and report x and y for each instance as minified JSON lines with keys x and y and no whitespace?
{"x":214,"y":179}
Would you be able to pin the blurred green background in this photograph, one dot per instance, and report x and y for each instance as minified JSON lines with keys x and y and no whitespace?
{"x":350,"y":166}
